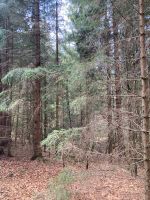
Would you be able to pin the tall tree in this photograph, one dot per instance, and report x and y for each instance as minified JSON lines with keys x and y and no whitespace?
{"x":57,"y":63}
{"x":108,"y":52}
{"x":37,"y":134}
{"x":118,"y":99}
{"x":145,"y":99}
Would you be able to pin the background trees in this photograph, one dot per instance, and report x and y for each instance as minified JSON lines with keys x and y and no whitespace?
{"x":84,"y":81}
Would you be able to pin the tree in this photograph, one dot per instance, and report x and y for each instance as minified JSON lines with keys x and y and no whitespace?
{"x":57,"y":63}
{"x":145,"y":99}
{"x":37,"y":134}
{"x":118,"y":99}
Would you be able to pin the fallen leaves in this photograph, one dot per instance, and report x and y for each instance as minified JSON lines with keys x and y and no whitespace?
{"x":26,"y":180}
{"x":100,"y":183}
{"x":21,"y":180}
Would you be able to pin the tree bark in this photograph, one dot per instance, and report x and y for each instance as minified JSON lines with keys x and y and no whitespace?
{"x":4,"y":68}
{"x":57,"y":63}
{"x":68,"y":105}
{"x":145,"y":100}
{"x":37,"y":134}
{"x":110,"y":143}
{"x":118,"y":102}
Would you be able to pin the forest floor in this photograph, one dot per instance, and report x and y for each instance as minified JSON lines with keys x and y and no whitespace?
{"x":27,"y":180}
{"x":108,"y":182}
{"x":21,"y":180}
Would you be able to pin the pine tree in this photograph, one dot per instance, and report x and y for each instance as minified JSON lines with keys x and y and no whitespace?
{"x":37,"y":134}
{"x":145,"y":99}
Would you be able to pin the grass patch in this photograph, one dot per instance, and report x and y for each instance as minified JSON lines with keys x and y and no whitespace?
{"x":58,"y":187}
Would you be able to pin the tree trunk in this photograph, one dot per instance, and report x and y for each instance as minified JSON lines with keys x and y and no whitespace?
{"x":57,"y":63}
{"x":68,"y":105}
{"x":37,"y":134}
{"x":5,"y":66}
{"x":45,"y":123}
{"x":110,"y":144}
{"x":118,"y":102}
{"x":145,"y":100}
{"x":87,"y":109}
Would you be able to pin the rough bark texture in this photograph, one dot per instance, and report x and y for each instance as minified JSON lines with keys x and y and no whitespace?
{"x":110,"y":145}
{"x":37,"y":134}
{"x":145,"y":100}
{"x":45,"y":117}
{"x":118,"y":102}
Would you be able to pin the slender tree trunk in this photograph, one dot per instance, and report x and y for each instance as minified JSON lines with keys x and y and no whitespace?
{"x":132,"y":134}
{"x":110,"y":145}
{"x":57,"y":105}
{"x":17,"y":115}
{"x":68,"y":105}
{"x":1,"y":87}
{"x":81,"y":117}
{"x":131,"y":104}
{"x":87,"y":109}
{"x":145,"y":100}
{"x":57,"y":63}
{"x":57,"y":38}
{"x":118,"y":102}
{"x":7,"y":64}
{"x":37,"y":134}
{"x":45,"y":113}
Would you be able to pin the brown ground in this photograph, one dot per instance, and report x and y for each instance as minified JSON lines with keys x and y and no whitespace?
{"x":107,"y":182}
{"x":22,"y":180}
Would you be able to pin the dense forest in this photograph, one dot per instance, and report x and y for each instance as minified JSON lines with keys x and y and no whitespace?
{"x":75,"y":90}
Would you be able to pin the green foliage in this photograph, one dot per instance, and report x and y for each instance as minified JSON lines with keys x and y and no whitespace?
{"x":86,"y":20}
{"x":4,"y":101}
{"x":65,"y":177}
{"x":61,"y":193}
{"x":78,"y":104}
{"x":58,"y":139}
{"x":58,"y":188}
{"x":2,"y":37}
{"x":4,"y":10}
{"x":6,"y":104}
{"x":23,"y":74}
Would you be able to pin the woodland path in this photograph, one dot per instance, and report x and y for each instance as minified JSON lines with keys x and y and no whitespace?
{"x":22,"y":180}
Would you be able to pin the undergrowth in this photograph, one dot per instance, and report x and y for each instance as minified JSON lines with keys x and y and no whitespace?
{"x":58,"y":187}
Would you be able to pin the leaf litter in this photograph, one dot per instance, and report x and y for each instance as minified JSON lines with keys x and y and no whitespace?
{"x":23,"y":180}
